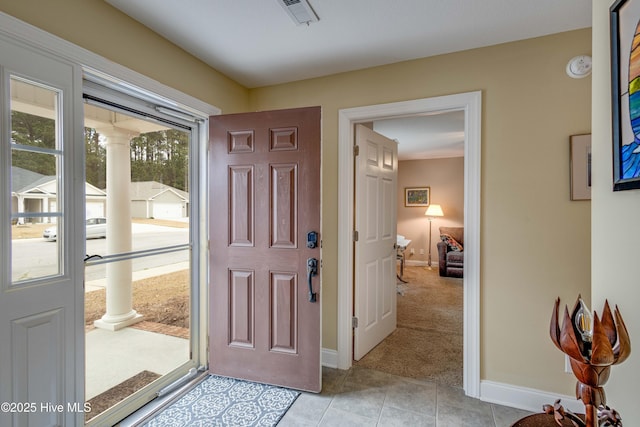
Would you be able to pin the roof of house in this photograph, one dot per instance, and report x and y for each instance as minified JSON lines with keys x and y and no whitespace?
{"x":148,"y":190}
{"x":23,"y":179}
{"x":26,"y":181}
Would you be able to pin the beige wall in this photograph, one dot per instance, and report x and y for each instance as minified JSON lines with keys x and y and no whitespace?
{"x":615,"y":228}
{"x":535,"y":242}
{"x":102,"y":29}
{"x":445,"y":178}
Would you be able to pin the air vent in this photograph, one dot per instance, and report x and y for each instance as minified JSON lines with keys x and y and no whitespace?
{"x":300,"y":11}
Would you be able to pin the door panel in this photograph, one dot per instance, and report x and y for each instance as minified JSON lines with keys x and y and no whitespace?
{"x":40,"y":282}
{"x":375,"y":254}
{"x":265,"y":198}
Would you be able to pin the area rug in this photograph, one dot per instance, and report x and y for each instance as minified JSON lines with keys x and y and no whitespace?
{"x":221,"y":402}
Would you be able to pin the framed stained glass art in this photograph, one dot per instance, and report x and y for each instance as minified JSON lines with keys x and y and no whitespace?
{"x":624,"y":18}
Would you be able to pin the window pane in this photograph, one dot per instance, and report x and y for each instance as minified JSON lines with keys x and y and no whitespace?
{"x":35,"y":196}
{"x":33,"y":114}
{"x":38,"y":164}
{"x":32,"y":255}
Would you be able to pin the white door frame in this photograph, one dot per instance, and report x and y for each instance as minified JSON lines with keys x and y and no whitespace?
{"x":471,"y":104}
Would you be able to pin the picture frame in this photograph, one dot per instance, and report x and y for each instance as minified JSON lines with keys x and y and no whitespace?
{"x":417,"y":196}
{"x":580,"y":149}
{"x":624,"y":19}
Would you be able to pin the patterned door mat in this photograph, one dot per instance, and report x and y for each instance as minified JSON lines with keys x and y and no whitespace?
{"x":219,"y":401}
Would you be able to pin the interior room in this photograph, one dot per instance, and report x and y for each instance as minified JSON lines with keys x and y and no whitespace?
{"x":522,"y":106}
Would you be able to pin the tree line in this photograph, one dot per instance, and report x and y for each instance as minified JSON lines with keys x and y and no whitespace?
{"x":160,"y":156}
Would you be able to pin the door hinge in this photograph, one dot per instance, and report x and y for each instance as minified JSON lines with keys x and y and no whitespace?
{"x":355,"y":235}
{"x":354,"y":322}
{"x":356,"y":150}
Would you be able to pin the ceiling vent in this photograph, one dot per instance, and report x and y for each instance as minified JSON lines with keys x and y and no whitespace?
{"x":300,"y":11}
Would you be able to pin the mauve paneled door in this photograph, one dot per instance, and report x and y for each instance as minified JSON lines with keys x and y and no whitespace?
{"x":265,"y":198}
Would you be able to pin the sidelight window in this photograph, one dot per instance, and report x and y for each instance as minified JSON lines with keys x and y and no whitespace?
{"x":36,"y":196}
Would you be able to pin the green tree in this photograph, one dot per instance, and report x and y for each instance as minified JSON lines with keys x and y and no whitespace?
{"x":161,"y":156}
{"x":95,"y":159}
{"x":35,"y":131}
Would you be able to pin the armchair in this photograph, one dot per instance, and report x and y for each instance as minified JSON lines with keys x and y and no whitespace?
{"x":451,"y":252}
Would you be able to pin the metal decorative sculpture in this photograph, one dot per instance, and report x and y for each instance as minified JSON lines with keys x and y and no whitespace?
{"x":593,"y":344}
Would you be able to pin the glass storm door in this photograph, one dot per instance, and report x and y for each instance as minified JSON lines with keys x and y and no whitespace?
{"x":139,"y":299}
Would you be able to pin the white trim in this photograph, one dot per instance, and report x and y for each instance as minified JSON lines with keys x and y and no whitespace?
{"x":471,"y":104}
{"x":525,"y":398}
{"x":329,"y":358}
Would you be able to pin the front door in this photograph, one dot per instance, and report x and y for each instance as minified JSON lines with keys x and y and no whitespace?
{"x":375,"y":248}
{"x":265,"y":199}
{"x":41,"y":186}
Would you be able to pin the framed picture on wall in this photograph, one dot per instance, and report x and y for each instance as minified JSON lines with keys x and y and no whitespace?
{"x":580,"y":167}
{"x":416,"y":196}
{"x":624,"y":16}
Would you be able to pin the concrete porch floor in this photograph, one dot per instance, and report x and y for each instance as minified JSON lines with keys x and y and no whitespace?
{"x":113,"y":357}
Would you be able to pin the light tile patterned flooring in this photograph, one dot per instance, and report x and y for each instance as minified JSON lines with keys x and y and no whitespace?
{"x":364,"y":397}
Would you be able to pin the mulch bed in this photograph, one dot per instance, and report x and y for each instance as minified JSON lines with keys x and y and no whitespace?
{"x":107,"y":399}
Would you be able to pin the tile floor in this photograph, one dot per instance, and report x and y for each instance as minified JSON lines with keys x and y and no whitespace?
{"x":364,"y":397}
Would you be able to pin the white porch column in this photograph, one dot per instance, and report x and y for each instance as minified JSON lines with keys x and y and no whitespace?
{"x":20,"y":208}
{"x":120,"y":312}
{"x":45,"y":209}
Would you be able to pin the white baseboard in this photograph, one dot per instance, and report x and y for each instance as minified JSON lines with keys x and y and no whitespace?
{"x":525,"y":398}
{"x":415,"y":262}
{"x":329,"y":358}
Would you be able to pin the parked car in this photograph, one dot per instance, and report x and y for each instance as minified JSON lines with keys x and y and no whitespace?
{"x":96,"y":229}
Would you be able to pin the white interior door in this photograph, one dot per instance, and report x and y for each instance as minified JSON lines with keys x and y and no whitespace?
{"x":41,"y":316}
{"x":375,"y":246}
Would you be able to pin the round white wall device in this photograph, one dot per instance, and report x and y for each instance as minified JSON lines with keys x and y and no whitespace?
{"x":579,"y":66}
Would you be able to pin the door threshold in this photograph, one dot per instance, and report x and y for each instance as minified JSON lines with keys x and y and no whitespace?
{"x":163,"y":400}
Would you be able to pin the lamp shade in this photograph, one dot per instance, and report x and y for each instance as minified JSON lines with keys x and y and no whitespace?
{"x":434,"y":210}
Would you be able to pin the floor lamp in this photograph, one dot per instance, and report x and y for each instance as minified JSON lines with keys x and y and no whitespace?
{"x":432,"y":212}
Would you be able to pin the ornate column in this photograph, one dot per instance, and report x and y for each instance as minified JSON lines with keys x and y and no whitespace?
{"x":120,"y":312}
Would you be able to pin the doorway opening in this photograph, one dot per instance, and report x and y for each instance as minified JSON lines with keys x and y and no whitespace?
{"x":427,"y":343}
{"x":470,"y":104}
{"x":142,"y":280}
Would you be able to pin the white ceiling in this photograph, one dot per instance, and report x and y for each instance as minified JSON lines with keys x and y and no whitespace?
{"x":432,"y":136}
{"x":256,"y":43}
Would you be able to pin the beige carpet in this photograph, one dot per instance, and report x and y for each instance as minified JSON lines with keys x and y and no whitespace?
{"x":428,"y":341}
